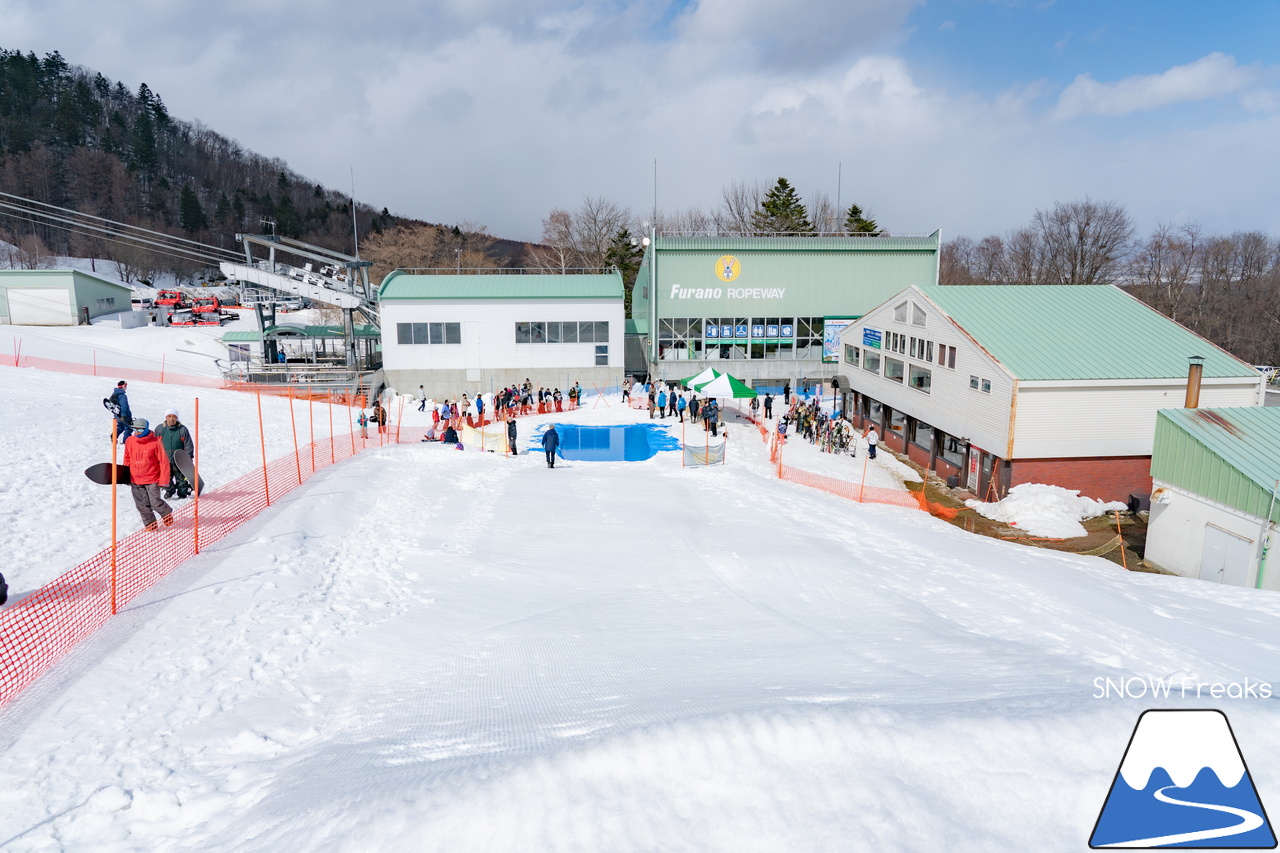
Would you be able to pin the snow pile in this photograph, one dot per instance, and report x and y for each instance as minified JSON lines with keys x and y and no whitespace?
{"x":1045,"y":510}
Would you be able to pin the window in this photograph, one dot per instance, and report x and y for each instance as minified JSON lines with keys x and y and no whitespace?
{"x":602,"y":356}
{"x":914,"y":345}
{"x":522,"y":333}
{"x":927,"y":355}
{"x":973,"y":382}
{"x":851,"y":354}
{"x":553,"y":332}
{"x":986,"y":386}
{"x":568,"y":333}
{"x":917,"y":315}
{"x":900,"y":313}
{"x":428,"y":333}
{"x":538,"y":333}
{"x":922,"y":435}
{"x":601,"y":332}
{"x":871,"y":361}
{"x":893,"y":369}
{"x":920,"y":379}
{"x":951,"y":358}
{"x":104,"y":304}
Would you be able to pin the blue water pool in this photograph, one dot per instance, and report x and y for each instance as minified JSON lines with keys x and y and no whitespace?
{"x":622,"y":443}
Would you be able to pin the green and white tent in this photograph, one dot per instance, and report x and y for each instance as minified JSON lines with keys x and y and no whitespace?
{"x":725,"y":385}
{"x":703,"y":377}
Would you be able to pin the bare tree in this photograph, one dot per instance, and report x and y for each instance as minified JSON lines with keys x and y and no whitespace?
{"x":580,"y":239}
{"x":693,"y":221}
{"x":1162,"y":270}
{"x":824,"y":215}
{"x":1083,"y":242}
{"x":462,"y":248}
{"x":739,"y":202}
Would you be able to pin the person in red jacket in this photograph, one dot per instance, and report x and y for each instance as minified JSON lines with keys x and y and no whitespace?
{"x":148,"y":472}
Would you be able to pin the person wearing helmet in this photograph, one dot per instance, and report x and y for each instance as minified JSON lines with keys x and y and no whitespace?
{"x":148,"y":466}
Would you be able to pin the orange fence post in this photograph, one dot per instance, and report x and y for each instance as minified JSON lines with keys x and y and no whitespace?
{"x":162,"y":356}
{"x":352,"y":422}
{"x":862,"y":487}
{"x":400,"y":420}
{"x":195,"y":464}
{"x":311,"y":422}
{"x":1123,"y":560}
{"x":333,"y":454}
{"x":297,"y":459}
{"x":115,"y":425}
{"x":262,"y":435}
{"x":95,"y":363}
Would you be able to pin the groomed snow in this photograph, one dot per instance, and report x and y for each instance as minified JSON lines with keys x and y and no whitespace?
{"x":422,"y":649}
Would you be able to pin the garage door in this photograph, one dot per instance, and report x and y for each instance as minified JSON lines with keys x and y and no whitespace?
{"x":40,"y":306}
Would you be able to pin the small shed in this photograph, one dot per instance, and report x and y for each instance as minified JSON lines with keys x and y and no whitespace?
{"x":1214,"y":508}
{"x":58,"y":297}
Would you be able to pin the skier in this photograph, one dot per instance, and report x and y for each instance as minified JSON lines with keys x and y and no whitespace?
{"x":872,"y":440}
{"x":148,"y":466}
{"x":174,"y":437}
{"x":511,"y":435}
{"x":550,"y":441}
{"x":124,"y":418}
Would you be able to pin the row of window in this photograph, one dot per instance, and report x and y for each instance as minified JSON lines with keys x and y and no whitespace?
{"x":920,"y":348}
{"x":739,"y":328}
{"x":428,"y":333}
{"x":565,"y":332}
{"x":896,"y":370}
{"x":905,"y":312}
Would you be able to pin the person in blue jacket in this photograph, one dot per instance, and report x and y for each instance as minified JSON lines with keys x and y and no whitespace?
{"x":662,"y":403}
{"x":124,"y":420}
{"x":550,"y":441}
{"x":681,"y":405}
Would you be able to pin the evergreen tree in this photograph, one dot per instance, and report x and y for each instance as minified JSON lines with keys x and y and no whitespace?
{"x":626,"y":255}
{"x":143,"y":148}
{"x":191,"y":215}
{"x":856,"y":223}
{"x":781,"y":212}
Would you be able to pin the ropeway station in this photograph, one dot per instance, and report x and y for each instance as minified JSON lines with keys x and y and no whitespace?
{"x":324,"y":276}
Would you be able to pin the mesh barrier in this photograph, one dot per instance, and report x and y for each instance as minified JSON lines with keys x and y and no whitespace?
{"x":131,"y":374}
{"x":36,"y":632}
{"x":713,"y":455}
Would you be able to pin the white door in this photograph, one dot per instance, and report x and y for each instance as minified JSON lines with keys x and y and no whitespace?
{"x":1225,"y":558}
{"x":40,"y":306}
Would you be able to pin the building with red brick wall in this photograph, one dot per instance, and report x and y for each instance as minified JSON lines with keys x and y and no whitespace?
{"x":1001,"y":385}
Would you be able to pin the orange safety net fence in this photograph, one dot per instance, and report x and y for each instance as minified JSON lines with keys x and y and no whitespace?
{"x":37,"y":631}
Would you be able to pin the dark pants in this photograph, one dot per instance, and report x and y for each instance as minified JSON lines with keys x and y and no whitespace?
{"x":147,"y":500}
{"x":871,"y":451}
{"x":511,"y":441}
{"x":768,"y":411}
{"x":551,"y":458}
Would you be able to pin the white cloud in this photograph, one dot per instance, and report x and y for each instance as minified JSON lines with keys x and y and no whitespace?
{"x":1212,"y":76}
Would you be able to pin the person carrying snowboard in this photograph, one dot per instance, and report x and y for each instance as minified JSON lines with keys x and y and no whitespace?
{"x":118,"y":404}
{"x":148,"y":466}
{"x":174,"y":436}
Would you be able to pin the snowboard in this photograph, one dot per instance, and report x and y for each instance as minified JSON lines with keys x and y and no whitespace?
{"x":183,"y":461}
{"x":101,"y":474}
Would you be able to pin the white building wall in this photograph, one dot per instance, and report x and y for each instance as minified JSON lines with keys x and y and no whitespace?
{"x":488,"y":333}
{"x":1175,"y":534}
{"x":1117,"y":418}
{"x":951,"y":404}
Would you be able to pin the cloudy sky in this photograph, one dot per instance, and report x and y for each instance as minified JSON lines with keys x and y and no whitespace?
{"x":964,"y":115}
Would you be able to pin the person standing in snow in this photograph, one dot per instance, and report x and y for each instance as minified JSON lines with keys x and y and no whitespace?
{"x":873,"y":439}
{"x":363,"y":422}
{"x":786,"y":394}
{"x":671,"y":404}
{"x":550,"y":441}
{"x":174,"y":437}
{"x":124,"y":420}
{"x":694,"y":405}
{"x":511,"y":436}
{"x":148,"y":466}
{"x":662,"y":404}
{"x":422,"y":398}
{"x":653,"y":400}
{"x":681,"y":405}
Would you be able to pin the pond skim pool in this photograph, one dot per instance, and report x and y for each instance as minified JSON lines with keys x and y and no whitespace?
{"x":621,"y":443}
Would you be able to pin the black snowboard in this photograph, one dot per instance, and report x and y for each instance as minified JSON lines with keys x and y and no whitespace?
{"x":183,"y":461}
{"x":101,"y":474}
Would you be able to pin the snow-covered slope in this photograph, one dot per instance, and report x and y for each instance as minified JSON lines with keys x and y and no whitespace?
{"x":425,"y":649}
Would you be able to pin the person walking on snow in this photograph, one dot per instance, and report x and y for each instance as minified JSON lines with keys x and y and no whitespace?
{"x":422,"y":397}
{"x":380,"y":417}
{"x":511,"y":436}
{"x":148,"y":466}
{"x":662,"y":404}
{"x":174,"y":436}
{"x":681,"y":405}
{"x":124,"y":418}
{"x":872,"y":440}
{"x":550,"y":441}
{"x":768,"y":406}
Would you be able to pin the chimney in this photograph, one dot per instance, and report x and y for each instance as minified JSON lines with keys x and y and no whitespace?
{"x":1193,"y":380}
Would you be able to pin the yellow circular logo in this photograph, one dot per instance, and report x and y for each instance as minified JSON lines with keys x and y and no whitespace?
{"x":727,"y":268}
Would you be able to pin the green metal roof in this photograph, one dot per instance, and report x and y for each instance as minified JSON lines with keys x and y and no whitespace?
{"x":1231,"y":456}
{"x":791,"y":244}
{"x":241,"y":337}
{"x":637,"y":327}
{"x":403,"y":285}
{"x":1057,"y":332}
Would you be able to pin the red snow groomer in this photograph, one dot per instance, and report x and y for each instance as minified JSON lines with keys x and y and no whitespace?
{"x":175,"y":299}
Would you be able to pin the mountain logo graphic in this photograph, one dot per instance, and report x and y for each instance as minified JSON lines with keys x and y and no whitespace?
{"x":1183,"y":783}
